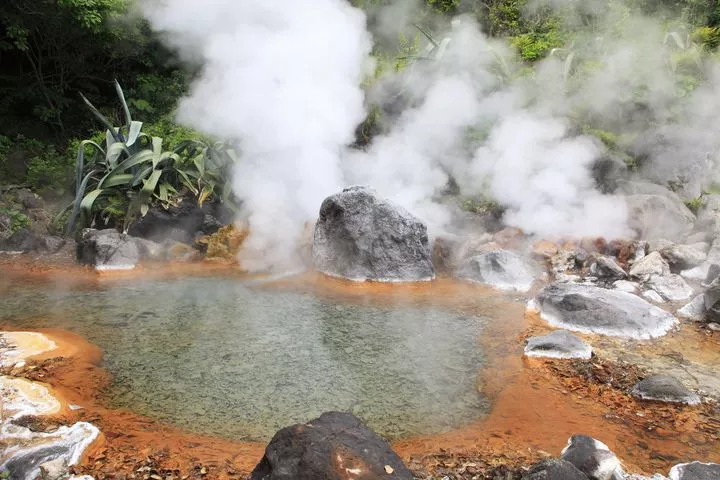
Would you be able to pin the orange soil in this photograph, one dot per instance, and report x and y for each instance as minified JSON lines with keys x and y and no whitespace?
{"x":533,"y":413}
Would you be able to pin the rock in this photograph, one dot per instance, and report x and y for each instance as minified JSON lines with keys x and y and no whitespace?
{"x":6,"y":224}
{"x":336,"y":445}
{"x":554,"y":469}
{"x":360,"y":236}
{"x":54,"y":469}
{"x":500,"y":269}
{"x":659,"y":244}
{"x":708,"y":218}
{"x":695,"y":471}
{"x":28,"y":199}
{"x":27,"y":241}
{"x":625,"y":286}
{"x":664,"y":388}
{"x":683,"y":257}
{"x":653,"y":296}
{"x":180,"y":223}
{"x":591,"y":309}
{"x":651,"y":264}
{"x":715,"y":327}
{"x":671,"y":287}
{"x":606,"y":267}
{"x":210,"y":224}
{"x":451,"y":251}
{"x":695,"y":310}
{"x":659,"y":216}
{"x":699,"y":237}
{"x":109,"y":249}
{"x":591,"y":457}
{"x":558,"y":344}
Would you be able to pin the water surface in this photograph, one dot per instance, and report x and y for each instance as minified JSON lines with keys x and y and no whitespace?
{"x":230,"y":357}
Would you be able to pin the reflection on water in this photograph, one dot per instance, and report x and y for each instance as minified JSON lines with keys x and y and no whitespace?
{"x":221,"y":356}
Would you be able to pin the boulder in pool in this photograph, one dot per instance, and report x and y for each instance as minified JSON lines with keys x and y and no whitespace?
{"x":361,"y":236}
{"x":695,"y":471}
{"x":112,"y":250}
{"x":590,"y":309}
{"x":500,"y":269}
{"x":336,"y":445}
{"x":664,"y":388}
{"x":558,"y":344}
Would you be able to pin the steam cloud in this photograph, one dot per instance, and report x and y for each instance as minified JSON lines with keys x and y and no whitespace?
{"x":283,"y":79}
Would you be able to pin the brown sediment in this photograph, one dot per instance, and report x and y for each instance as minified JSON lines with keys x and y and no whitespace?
{"x":537,"y":404}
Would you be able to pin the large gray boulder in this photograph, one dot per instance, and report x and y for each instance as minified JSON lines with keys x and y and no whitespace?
{"x":110,"y":249}
{"x":671,"y":287}
{"x":334,"y":446}
{"x":664,"y":388}
{"x":558,"y":344}
{"x":695,"y":471}
{"x":683,"y":257}
{"x":500,"y":269}
{"x":659,"y":216}
{"x":590,"y":309}
{"x":360,"y":236}
{"x":592,"y":457}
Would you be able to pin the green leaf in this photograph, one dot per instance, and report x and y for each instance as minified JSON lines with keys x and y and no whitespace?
{"x":87,"y":202}
{"x":102,"y":118}
{"x":128,"y":119}
{"x":141,"y":202}
{"x":134,"y":132}
{"x":113,"y":153}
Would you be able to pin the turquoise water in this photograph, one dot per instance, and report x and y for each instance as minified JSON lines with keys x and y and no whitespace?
{"x":232,"y":358}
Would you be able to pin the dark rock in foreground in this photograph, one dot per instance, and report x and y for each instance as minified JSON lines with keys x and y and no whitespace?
{"x":334,"y":446}
{"x":591,"y":457}
{"x":593,"y":309}
{"x":558,"y":344}
{"x":664,"y":388}
{"x":360,"y":236}
{"x":500,"y":269}
{"x":695,"y":471}
{"x":555,"y":469}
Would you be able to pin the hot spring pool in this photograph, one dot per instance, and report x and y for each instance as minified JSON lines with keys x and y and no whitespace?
{"x":231,"y":357}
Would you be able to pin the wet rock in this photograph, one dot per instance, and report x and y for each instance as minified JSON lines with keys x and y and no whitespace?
{"x":625,"y":286}
{"x":558,"y":344}
{"x":606,"y":267}
{"x":659,"y":216}
{"x":683,"y":257}
{"x":27,"y":241}
{"x":183,"y":222}
{"x":109,"y":249}
{"x":664,"y":388}
{"x":360,"y":236}
{"x":671,"y":287}
{"x":652,"y":296}
{"x":591,"y":309}
{"x":694,"y":310}
{"x":451,"y":251}
{"x":554,"y":469}
{"x":695,"y":471}
{"x":651,"y":264}
{"x":336,"y":445}
{"x":500,"y":269}
{"x":591,"y":457}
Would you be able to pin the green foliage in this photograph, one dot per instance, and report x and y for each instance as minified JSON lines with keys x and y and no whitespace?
{"x":534,"y":46}
{"x":707,"y":37}
{"x":695,"y":204}
{"x":17,"y":218}
{"x":130,"y":170}
{"x":482,"y":205}
{"x":444,"y":6}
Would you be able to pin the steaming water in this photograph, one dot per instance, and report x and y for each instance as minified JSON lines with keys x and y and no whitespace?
{"x":225,"y":357}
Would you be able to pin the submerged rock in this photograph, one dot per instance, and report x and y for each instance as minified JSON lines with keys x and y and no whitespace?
{"x":695,"y":471}
{"x":554,"y":469}
{"x":360,"y":236}
{"x":558,"y":344}
{"x":499,"y":268}
{"x":591,"y":457}
{"x":591,"y":309}
{"x":664,"y":388}
{"x":336,"y":445}
{"x":671,"y":287}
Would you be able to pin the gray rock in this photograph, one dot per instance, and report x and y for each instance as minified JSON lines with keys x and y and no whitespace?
{"x":360,"y":236}
{"x":591,"y":457}
{"x":591,"y":309}
{"x":28,"y":199}
{"x":694,"y":310}
{"x":664,"y":388}
{"x":54,"y":470}
{"x":699,"y":237}
{"x":558,"y":344}
{"x":652,"y":296}
{"x":683,"y":257}
{"x":659,"y":216}
{"x":659,"y":244}
{"x":671,"y":287}
{"x":695,"y":471}
{"x":554,"y":469}
{"x":651,"y":264}
{"x":625,"y":286}
{"x":27,"y":241}
{"x":606,"y":267}
{"x":499,"y":268}
{"x":708,"y":218}
{"x":109,"y":249}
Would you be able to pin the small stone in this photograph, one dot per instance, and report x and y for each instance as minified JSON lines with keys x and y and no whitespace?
{"x":715,"y":327}
{"x":554,"y":469}
{"x":653,"y":296}
{"x":651,"y":264}
{"x":54,"y":469}
{"x":558,"y":344}
{"x":389,"y":470}
{"x":664,"y":388}
{"x":501,"y":269}
{"x":591,"y":457}
{"x":695,"y":310}
{"x":625,"y":286}
{"x":695,"y":471}
{"x":607,"y":267}
{"x":672,"y":287}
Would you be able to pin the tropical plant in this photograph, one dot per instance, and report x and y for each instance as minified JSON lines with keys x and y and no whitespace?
{"x":130,"y":170}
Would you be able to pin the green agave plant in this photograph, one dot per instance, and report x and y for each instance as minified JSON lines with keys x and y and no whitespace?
{"x":134,"y":165}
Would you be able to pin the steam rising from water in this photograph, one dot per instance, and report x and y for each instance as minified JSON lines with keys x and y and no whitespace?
{"x":283,"y":79}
